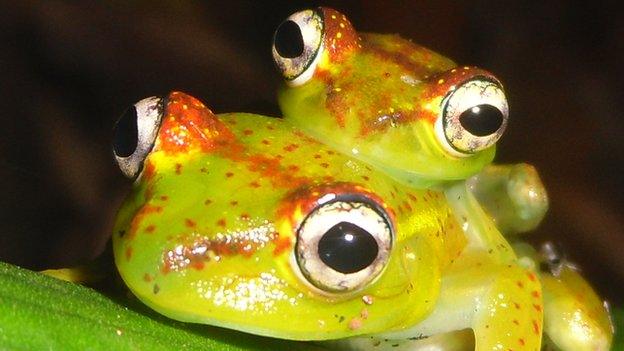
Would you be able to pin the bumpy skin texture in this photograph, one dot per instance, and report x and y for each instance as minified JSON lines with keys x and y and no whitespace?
{"x":209,"y":231}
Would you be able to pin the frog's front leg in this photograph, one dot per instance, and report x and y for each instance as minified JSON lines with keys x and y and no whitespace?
{"x":512,"y":194}
{"x":502,"y":304}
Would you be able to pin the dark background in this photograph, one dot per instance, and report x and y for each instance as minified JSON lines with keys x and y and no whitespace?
{"x":68,"y":69}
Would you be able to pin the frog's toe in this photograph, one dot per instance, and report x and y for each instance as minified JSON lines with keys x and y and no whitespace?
{"x":527,"y":192}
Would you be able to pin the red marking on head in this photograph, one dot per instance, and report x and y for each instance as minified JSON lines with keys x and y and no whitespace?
{"x":520,"y":284}
{"x":178,"y":168}
{"x":340,"y":36}
{"x":407,"y":206}
{"x":245,"y":216}
{"x":532,"y":276}
{"x":521,"y":342}
{"x":366,"y":178}
{"x":516,"y":305}
{"x":229,"y":174}
{"x":293,"y":168}
{"x":331,"y":152}
{"x":515,"y":321}
{"x":247,"y":132}
{"x":150,"y":228}
{"x":207,"y":202}
{"x":196,"y":253}
{"x":538,"y":308}
{"x":164,"y":197}
{"x":189,"y":223}
{"x":282,"y":245}
{"x":328,"y":179}
{"x":128,"y":253}
{"x":254,"y":184}
{"x":317,"y":156}
{"x":198,"y":265}
{"x":149,"y":170}
{"x":221,"y":223}
{"x":233,"y":203}
{"x":291,"y":147}
{"x":324,"y":164}
{"x":535,"y":294}
{"x":265,"y":142}
{"x":412,"y":197}
{"x":147,"y":278}
{"x":140,"y":215}
{"x":188,"y":124}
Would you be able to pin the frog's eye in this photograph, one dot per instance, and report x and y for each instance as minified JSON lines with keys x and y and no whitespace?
{"x":344,"y":244}
{"x":297,"y":46}
{"x":135,"y":133}
{"x":473,"y":117}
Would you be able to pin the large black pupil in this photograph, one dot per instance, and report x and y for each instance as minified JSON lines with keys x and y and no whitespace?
{"x":125,"y":135}
{"x":288,"y":40}
{"x":347,"y":248}
{"x":481,"y":120}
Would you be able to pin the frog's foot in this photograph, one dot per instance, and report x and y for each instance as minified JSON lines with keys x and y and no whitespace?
{"x":512,"y":194}
{"x":575,"y":318}
{"x":502,"y":304}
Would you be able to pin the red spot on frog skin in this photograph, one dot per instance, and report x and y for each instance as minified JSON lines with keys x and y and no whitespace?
{"x":178,"y":168}
{"x":254,"y":184}
{"x":164,"y":197}
{"x":149,"y":170}
{"x":221,"y":222}
{"x":188,"y":124}
{"x":128,"y":253}
{"x":291,"y":147}
{"x":340,"y":36}
{"x":532,"y":276}
{"x":139,"y":216}
{"x":521,"y":342}
{"x":535,"y":294}
{"x":229,"y":174}
{"x":282,"y":245}
{"x":150,"y":228}
{"x":190,"y":223}
{"x":247,"y":132}
{"x":538,"y":308}
{"x":147,"y":278}
{"x":520,"y":284}
{"x":536,"y":327}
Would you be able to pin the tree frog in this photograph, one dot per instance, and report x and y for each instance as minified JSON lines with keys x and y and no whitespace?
{"x":367,"y":218}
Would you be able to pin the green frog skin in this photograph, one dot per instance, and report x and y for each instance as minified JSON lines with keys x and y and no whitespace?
{"x":369,"y":217}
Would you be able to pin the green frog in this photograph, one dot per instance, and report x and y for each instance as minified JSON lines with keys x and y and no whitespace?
{"x":369,"y":217}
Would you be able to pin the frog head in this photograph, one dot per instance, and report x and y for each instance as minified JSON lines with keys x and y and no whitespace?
{"x":387,"y":101}
{"x":243,"y":221}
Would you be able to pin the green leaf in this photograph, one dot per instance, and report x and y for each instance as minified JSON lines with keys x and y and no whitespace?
{"x":618,"y":321}
{"x":38,"y":312}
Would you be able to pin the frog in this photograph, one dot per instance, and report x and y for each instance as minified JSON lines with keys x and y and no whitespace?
{"x":354,"y":229}
{"x":427,"y":122}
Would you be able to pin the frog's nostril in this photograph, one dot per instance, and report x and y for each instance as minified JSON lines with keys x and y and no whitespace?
{"x":289,"y":40}
{"x":126,"y":134}
{"x":481,"y":120}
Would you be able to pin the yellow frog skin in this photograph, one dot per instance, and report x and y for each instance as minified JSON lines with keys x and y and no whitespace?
{"x":367,"y":218}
